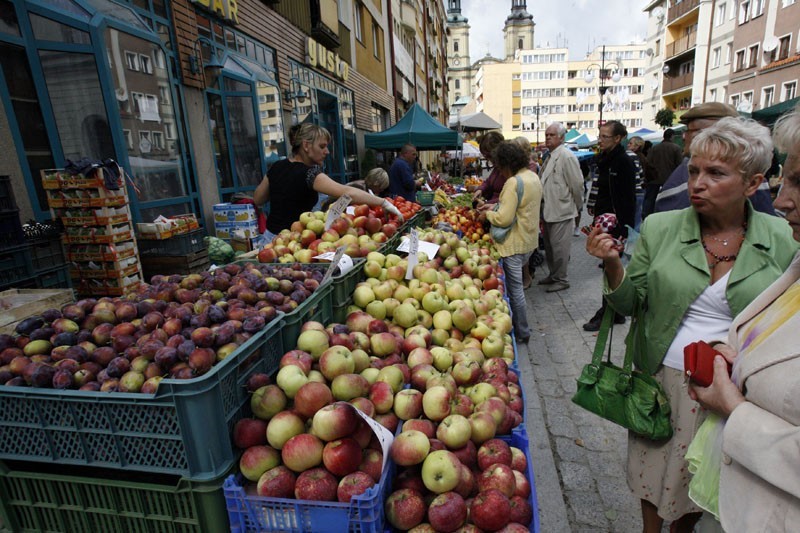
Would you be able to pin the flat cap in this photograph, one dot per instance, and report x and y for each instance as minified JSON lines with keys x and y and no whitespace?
{"x":709,"y":110}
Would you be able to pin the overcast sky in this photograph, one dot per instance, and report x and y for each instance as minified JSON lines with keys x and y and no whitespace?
{"x":581,"y":24}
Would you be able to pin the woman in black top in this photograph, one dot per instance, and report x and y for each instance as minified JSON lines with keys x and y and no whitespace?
{"x":291,"y":185}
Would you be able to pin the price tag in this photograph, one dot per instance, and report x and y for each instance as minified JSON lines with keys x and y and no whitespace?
{"x":430,"y":248}
{"x":413,"y":247}
{"x":385,"y":436}
{"x":336,"y":210}
{"x":351,"y":210}
{"x":334,"y":262}
{"x":345,"y":263}
{"x":426,"y":187}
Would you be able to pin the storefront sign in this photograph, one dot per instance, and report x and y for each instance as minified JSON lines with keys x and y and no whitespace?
{"x":226,"y":9}
{"x":319,"y":56}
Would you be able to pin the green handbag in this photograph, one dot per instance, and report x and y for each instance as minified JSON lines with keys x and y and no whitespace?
{"x":624,"y":396}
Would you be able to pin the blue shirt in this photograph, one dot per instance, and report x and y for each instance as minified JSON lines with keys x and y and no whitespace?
{"x":401,"y":180}
{"x":675,"y":195}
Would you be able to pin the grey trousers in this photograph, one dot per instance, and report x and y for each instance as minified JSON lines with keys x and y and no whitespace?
{"x":557,"y":242}
{"x":512,"y":266}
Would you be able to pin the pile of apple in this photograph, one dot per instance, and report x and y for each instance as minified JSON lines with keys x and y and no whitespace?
{"x":479,"y":487}
{"x":360,"y":233}
{"x":177,"y":327}
{"x":464,"y":219}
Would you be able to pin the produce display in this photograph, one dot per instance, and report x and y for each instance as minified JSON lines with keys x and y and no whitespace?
{"x":464,"y":219}
{"x":176,"y":327}
{"x":429,"y":359}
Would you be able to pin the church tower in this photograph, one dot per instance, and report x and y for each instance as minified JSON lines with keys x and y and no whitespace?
{"x":518,"y":30}
{"x":459,"y":73}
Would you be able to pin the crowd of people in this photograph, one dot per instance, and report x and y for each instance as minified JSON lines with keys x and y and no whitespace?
{"x":712,"y":261}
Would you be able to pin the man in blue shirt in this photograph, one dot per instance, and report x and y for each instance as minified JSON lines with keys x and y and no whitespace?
{"x":401,"y":174}
{"x":674,"y":193}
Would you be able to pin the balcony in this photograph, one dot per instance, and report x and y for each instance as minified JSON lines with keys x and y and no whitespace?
{"x":684,"y":44}
{"x":679,"y":9}
{"x":678,"y":82}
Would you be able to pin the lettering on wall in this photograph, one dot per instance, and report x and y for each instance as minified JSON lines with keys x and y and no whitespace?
{"x":225,"y":9}
{"x":319,"y":56}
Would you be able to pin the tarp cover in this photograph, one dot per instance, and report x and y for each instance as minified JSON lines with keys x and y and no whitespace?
{"x":416,"y":127}
{"x":475,"y":122}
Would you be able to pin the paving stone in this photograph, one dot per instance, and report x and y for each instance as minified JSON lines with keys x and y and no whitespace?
{"x":562,"y":426}
{"x":567,"y":450}
{"x":550,"y":387}
{"x":588,"y":509}
{"x":576,"y":476}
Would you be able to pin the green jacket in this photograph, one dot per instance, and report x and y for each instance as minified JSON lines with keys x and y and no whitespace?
{"x":669,"y":270}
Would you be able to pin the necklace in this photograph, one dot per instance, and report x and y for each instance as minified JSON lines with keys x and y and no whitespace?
{"x":719,"y":258}
{"x":726,"y":241}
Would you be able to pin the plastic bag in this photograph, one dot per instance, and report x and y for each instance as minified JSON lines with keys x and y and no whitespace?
{"x":704,"y":456}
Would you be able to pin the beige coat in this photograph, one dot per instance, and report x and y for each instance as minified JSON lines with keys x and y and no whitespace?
{"x":524,"y":236}
{"x":562,"y":186}
{"x":760,"y":476}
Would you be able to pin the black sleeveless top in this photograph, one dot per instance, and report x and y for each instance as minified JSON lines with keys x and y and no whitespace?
{"x":291,"y":192}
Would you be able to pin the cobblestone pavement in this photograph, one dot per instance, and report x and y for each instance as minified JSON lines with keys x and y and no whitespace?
{"x":578,"y":458}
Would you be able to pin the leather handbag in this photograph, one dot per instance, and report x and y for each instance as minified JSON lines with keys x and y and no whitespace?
{"x":627,"y":397}
{"x":698,"y":363}
{"x":500,"y":234}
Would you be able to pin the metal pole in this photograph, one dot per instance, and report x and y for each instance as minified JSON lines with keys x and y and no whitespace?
{"x":602,"y":87}
{"x":537,"y":121}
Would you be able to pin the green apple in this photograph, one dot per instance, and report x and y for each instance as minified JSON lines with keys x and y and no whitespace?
{"x":454,"y":431}
{"x":290,"y":378}
{"x":405,"y":315}
{"x":377,"y":309}
{"x":433,"y":302}
{"x":441,"y":471}
{"x":442,"y":319}
{"x":363,"y":295}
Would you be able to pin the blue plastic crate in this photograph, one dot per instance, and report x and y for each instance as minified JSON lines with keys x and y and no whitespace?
{"x":252,"y":514}
{"x":183,"y":429}
{"x":519,"y":439}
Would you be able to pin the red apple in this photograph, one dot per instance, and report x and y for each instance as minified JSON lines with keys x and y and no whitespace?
{"x":421,"y":424}
{"x":336,"y":421}
{"x":467,"y":454}
{"x":354,"y":484}
{"x":278,"y":482}
{"x":493,"y":451}
{"x":372,"y":463}
{"x":249,"y":432}
{"x":498,"y":476}
{"x":405,"y":509}
{"x":302,"y":452}
{"x":490,"y":510}
{"x":316,"y":484}
{"x":342,"y":456}
{"x":522,"y":486}
{"x":312,"y":397}
{"x":521,"y":510}
{"x":518,"y":460}
{"x":258,"y":459}
{"x":447,"y":512}
{"x":298,"y":358}
{"x":410,"y":447}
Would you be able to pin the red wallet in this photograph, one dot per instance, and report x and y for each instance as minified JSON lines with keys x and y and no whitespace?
{"x":698,"y":363}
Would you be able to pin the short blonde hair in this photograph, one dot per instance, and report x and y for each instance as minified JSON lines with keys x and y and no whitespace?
{"x":376,"y":180}
{"x":523,"y":142}
{"x":787,"y":131}
{"x":742,"y":142}
{"x":636,"y":142}
{"x":305,"y":131}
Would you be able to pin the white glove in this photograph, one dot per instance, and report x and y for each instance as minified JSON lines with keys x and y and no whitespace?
{"x":390,"y":208}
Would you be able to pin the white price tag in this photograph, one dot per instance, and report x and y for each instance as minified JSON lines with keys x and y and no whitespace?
{"x":385,"y":436}
{"x":430,"y":248}
{"x":345,"y":263}
{"x":413,"y":248}
{"x":336,"y":210}
{"x":426,"y":187}
{"x":351,"y":210}
{"x":334,"y":262}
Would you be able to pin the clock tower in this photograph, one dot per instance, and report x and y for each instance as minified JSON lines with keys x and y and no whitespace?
{"x":459,"y":68}
{"x":518,"y":30}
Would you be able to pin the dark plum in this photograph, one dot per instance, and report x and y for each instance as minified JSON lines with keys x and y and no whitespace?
{"x":8,"y":355}
{"x":299,"y":296}
{"x":201,"y":360}
{"x":166,"y":357}
{"x":67,"y":338}
{"x":43,"y":333}
{"x":43,"y":376}
{"x":216,"y":314}
{"x":6,"y":341}
{"x":185,"y":350}
{"x":15,"y":382}
{"x":77,"y":353}
{"x":25,"y":327}
{"x":274,"y":297}
{"x":84,"y":335}
{"x":253,"y":324}
{"x":5,"y":376}
{"x":63,"y":379}
{"x":117,"y":367}
{"x":110,"y":385}
{"x":256,"y":381}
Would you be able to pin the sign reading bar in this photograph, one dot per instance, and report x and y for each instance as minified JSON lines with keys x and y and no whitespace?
{"x":319,"y":56}
{"x":226,"y":9}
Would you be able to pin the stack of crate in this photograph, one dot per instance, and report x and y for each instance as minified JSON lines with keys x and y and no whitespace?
{"x":99,"y":238}
{"x":16,"y":268}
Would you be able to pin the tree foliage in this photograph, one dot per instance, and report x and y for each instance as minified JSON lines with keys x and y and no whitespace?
{"x":665,"y":117}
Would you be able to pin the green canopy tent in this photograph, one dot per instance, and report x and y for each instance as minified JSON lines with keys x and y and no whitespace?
{"x":571,"y":134}
{"x":416,"y":127}
{"x":770,"y":114}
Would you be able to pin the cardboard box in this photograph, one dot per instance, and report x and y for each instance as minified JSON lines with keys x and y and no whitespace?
{"x":230,"y":213}
{"x":241,"y":245}
{"x":228,"y":230}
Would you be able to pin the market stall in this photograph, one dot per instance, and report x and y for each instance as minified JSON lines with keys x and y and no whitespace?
{"x":357,"y":375}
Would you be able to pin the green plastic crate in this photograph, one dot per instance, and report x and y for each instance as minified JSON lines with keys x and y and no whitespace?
{"x":340,"y":310}
{"x":345,"y":284}
{"x":425,"y":198}
{"x":183,"y":429}
{"x":33,"y":498}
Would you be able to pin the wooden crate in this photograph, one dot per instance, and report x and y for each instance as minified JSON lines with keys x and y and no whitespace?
{"x":175,"y":264}
{"x":18,"y":304}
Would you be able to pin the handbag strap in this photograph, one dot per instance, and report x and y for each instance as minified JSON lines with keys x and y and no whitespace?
{"x":604,"y":336}
{"x":519,"y":201}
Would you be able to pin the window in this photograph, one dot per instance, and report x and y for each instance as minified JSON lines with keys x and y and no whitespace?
{"x":719,"y":18}
{"x":157,"y":138}
{"x":712,"y":95}
{"x":716,"y":56}
{"x":758,"y":8}
{"x":144,"y":141}
{"x":128,"y":138}
{"x":748,"y":97}
{"x":728,"y":53}
{"x":146,"y":64}
{"x":753,"y":56}
{"x":767,"y":96}
{"x":735,"y":99}
{"x":744,"y":11}
{"x":457,"y":84}
{"x":783,"y":48}
{"x":357,"y":26}
{"x":455,"y":45}
{"x":380,"y":118}
{"x":376,"y":47}
{"x":159,"y":59}
{"x":132,"y":60}
{"x":169,"y":130}
{"x":740,"y":60}
{"x":789,"y":91}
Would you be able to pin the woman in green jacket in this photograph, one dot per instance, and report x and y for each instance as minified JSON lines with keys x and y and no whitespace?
{"x":692,"y":271}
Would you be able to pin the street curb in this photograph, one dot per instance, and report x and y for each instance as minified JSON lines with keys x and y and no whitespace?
{"x":552,"y":507}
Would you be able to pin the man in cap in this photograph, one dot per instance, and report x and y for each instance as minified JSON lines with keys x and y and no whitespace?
{"x":674,"y":193}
